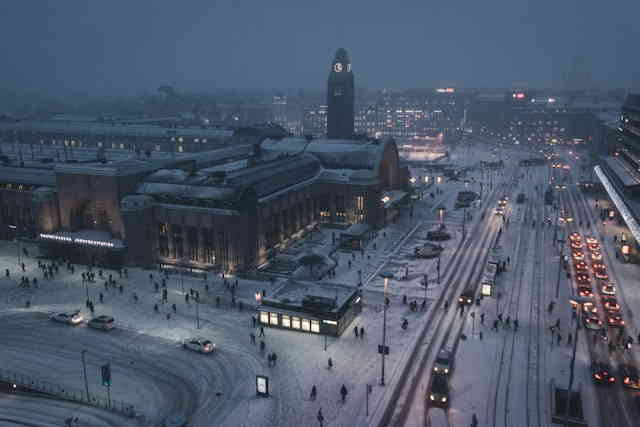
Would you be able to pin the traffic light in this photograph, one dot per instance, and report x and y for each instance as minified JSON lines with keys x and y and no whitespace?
{"x":106,"y":374}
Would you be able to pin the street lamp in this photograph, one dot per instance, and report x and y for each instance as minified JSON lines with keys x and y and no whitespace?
{"x":441,"y":211}
{"x":84,"y":369}
{"x":578,"y":303}
{"x":561,"y":241}
{"x":386,"y":276}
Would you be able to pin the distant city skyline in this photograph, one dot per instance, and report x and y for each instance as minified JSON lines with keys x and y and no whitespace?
{"x":126,"y":48}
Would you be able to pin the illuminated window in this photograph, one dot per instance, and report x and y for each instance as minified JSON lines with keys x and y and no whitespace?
{"x":180,"y":148}
{"x":315,"y":326}
{"x":286,"y":321}
{"x":306,"y":325}
{"x":324,"y":217}
{"x":264,"y":317}
{"x":295,"y":322}
{"x":273,"y":318}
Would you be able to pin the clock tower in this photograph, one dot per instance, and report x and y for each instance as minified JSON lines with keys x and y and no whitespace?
{"x":340,"y":98}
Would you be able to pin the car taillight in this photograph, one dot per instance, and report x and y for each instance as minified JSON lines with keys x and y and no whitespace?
{"x":626,"y":380}
{"x":612,"y":379}
{"x":598,"y":377}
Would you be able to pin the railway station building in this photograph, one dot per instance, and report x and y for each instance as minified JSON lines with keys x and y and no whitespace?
{"x":227,"y":209}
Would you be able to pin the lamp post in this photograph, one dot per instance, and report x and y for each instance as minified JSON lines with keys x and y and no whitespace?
{"x":84,"y":369}
{"x":579,"y":301}
{"x":561,"y":241}
{"x":386,"y":276}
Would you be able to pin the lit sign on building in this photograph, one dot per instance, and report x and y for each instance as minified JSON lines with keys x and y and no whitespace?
{"x":518,"y":95}
{"x":446,"y":90}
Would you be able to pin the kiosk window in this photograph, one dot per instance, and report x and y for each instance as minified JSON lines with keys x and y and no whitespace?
{"x":295,"y":322}
{"x":264,"y":317}
{"x":305,"y":325}
{"x":315,"y":326}
{"x":286,"y":321}
{"x":273,"y":318}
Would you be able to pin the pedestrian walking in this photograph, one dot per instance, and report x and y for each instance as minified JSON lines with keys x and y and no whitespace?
{"x":343,"y":392}
{"x":186,"y":298}
{"x":482,"y":318}
{"x":569,"y":339}
{"x":155,"y":308}
{"x":101,"y":298}
{"x":173,"y":307}
{"x":253,"y":338}
{"x":274,"y":358}
{"x":320,"y":417}
{"x":500,"y":317}
{"x":355,"y":331}
{"x":446,"y":304}
{"x":495,"y":326}
{"x":314,"y":392}
{"x":330,"y":363}
{"x":559,"y":338}
{"x":516,"y":325}
{"x":362,"y":332}
{"x":262,"y":345}
{"x":508,"y":322}
{"x":261,"y":331}
{"x":253,"y":320}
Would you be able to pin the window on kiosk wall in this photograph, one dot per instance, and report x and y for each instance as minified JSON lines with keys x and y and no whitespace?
{"x":264,"y":317}
{"x":341,"y":214}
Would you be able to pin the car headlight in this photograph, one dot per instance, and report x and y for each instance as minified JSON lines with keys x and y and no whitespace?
{"x":444,"y":399}
{"x":446,"y":371}
{"x":432,"y":397}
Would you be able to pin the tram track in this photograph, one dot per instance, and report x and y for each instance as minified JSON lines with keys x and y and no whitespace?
{"x":505,"y":362}
{"x":432,"y":341}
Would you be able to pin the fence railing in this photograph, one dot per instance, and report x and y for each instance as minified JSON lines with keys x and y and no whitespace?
{"x":67,"y":393}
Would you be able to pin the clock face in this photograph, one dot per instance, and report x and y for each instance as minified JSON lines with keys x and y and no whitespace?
{"x":337,"y":67}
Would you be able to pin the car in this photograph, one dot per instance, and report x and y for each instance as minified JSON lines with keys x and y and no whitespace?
{"x":576,"y":245}
{"x":591,"y":321}
{"x":596,"y":256}
{"x":593,"y":247}
{"x":585,"y":291}
{"x":575,"y":236}
{"x":608,"y":289}
{"x":629,"y":376}
{"x":591,"y":240}
{"x":610,"y":304}
{"x":577,"y":254}
{"x":601,"y":275}
{"x":439,"y":390}
{"x":583,"y":279}
{"x":580,"y":265}
{"x":601,"y":373}
{"x":199,"y":344}
{"x":502,"y":202}
{"x":615,"y":320}
{"x":443,"y":362}
{"x":74,"y":318}
{"x":598,"y":266}
{"x":105,"y":323}
{"x":499,"y":211}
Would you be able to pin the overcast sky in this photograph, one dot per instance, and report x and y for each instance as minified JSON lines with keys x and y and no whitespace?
{"x":133,"y":46}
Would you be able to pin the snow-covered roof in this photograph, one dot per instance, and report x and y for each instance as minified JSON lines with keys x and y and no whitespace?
{"x":186,"y":192}
{"x":294,"y":292}
{"x":86,"y":127}
{"x":333,"y":153}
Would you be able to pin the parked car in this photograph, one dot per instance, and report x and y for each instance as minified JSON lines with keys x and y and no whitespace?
{"x":74,"y":318}
{"x":596,"y":256}
{"x":105,"y":323}
{"x":443,"y":362}
{"x":199,"y":344}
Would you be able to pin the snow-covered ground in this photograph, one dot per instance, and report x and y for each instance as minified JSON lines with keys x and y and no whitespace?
{"x":152,"y":372}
